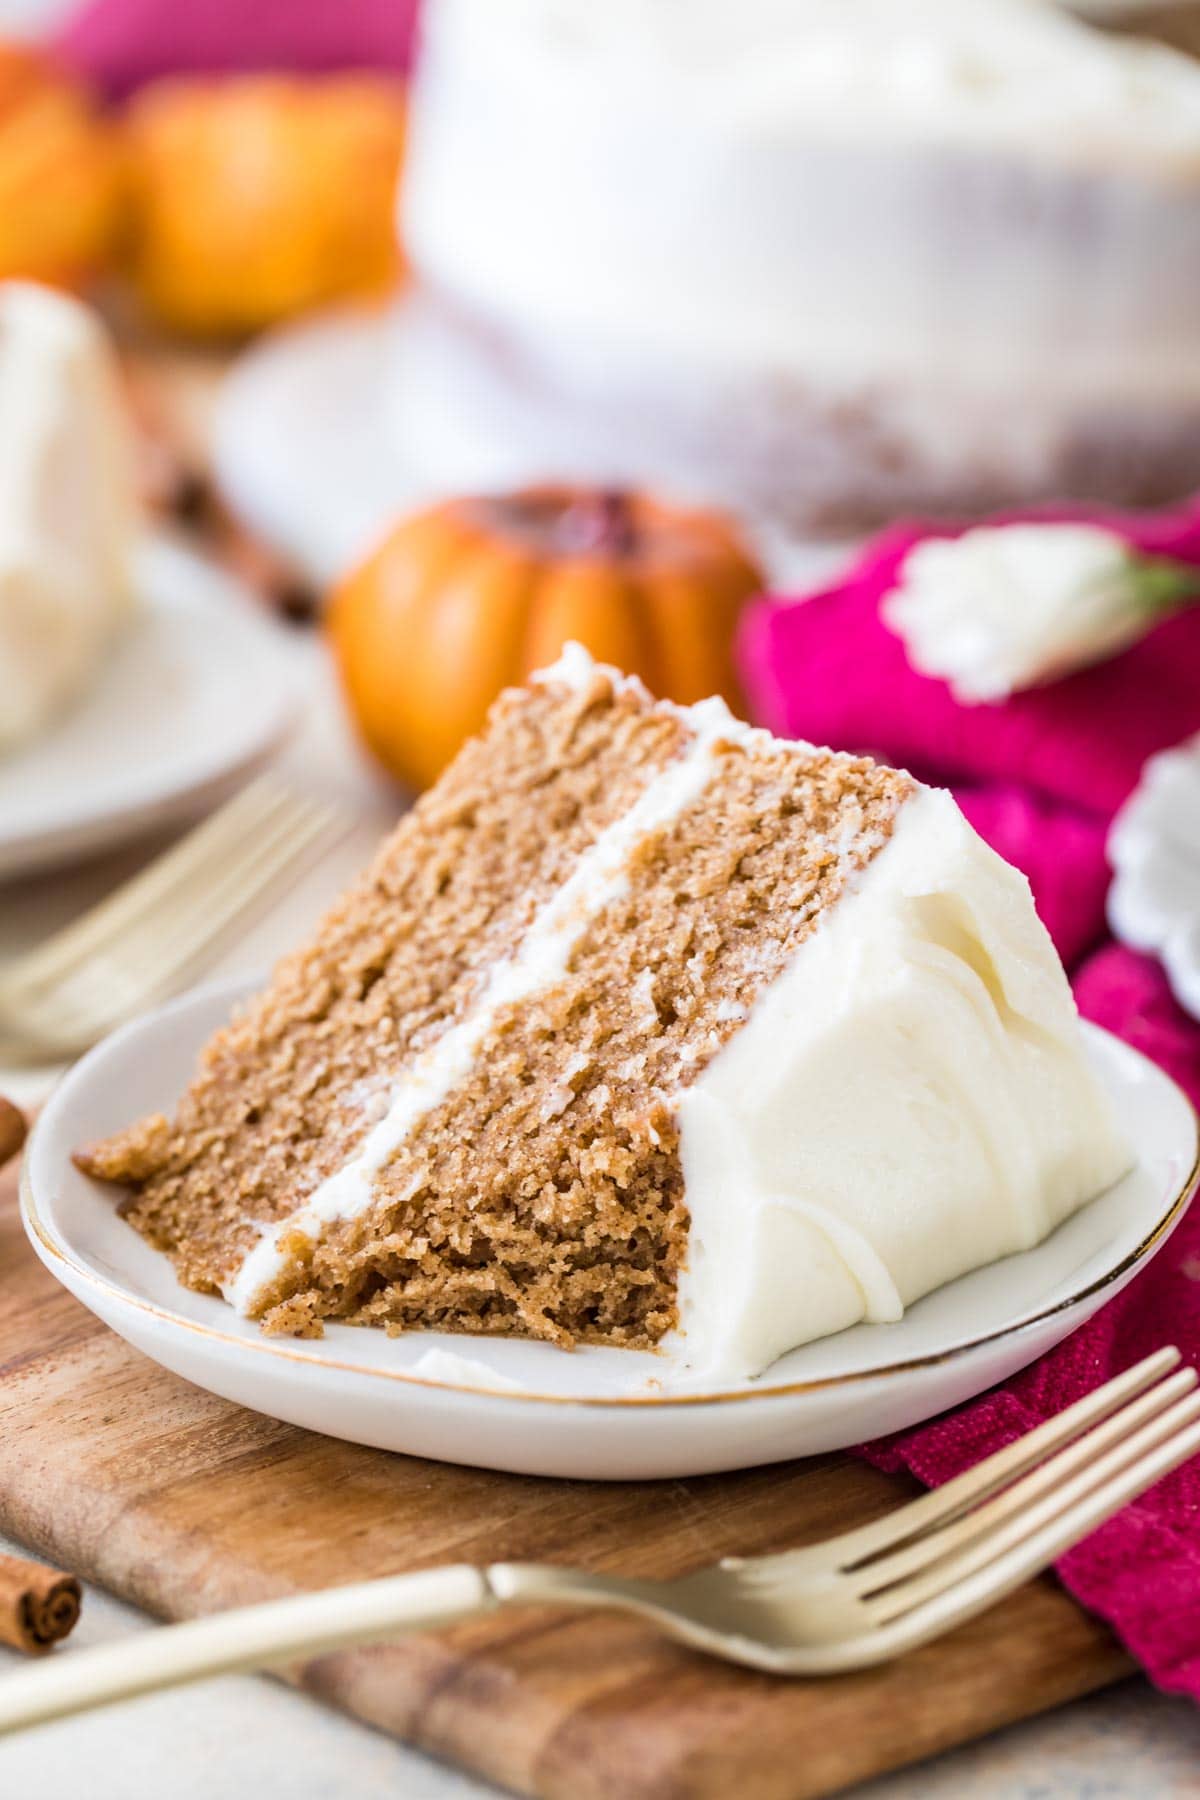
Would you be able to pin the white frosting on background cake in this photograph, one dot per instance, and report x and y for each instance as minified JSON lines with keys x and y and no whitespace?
{"x":958,"y":234}
{"x":67,"y":506}
{"x":908,"y":1102}
{"x":758,"y":181}
{"x":996,"y":71}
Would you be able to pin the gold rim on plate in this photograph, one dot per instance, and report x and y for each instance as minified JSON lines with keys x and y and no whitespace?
{"x":56,"y":1251}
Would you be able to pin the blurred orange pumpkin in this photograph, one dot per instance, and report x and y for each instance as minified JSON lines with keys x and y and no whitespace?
{"x":255,"y":197}
{"x":470,"y":596}
{"x":60,"y":174}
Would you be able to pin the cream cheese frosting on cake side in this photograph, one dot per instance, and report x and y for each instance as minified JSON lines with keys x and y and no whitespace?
{"x":908,"y":1101}
{"x":647,"y":1029}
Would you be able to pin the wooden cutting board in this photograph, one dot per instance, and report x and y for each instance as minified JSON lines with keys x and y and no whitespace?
{"x":185,"y":1504}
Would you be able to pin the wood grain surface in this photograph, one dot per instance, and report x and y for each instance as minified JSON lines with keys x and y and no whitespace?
{"x":185,"y":1504}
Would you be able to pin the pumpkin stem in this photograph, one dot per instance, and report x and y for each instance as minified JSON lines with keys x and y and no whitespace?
{"x":600,"y":524}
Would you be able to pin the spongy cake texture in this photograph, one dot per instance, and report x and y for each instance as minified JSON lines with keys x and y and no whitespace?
{"x":542,"y":1194}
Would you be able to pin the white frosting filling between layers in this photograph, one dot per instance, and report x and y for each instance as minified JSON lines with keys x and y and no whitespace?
{"x":908,"y":1101}
{"x":67,"y":509}
{"x":599,"y":877}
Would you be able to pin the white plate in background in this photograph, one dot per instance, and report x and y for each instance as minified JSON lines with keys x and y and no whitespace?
{"x":593,"y":1413}
{"x":308,"y":451}
{"x":196,"y":694}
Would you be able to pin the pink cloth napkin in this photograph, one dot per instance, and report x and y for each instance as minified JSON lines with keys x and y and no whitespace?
{"x":120,"y":44}
{"x":830,"y":670}
{"x":1039,"y":777}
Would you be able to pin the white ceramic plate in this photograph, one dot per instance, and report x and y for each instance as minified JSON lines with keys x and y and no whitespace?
{"x":197,"y":693}
{"x":303,"y":441}
{"x":593,"y":1413}
{"x":307,"y":448}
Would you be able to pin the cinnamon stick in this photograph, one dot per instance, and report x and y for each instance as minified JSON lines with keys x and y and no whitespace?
{"x":200,"y":512}
{"x":12,"y":1130}
{"x":38,"y":1606}
{"x":272,"y":577}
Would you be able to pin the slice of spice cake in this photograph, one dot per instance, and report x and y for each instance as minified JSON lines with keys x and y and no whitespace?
{"x":644,"y":1028}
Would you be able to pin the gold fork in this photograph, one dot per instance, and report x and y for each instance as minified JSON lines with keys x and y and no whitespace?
{"x":136,"y":946}
{"x":857,"y":1599}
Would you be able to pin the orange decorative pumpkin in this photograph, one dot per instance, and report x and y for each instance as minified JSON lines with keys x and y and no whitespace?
{"x":257,"y":196}
{"x":470,"y":596}
{"x":60,"y":174}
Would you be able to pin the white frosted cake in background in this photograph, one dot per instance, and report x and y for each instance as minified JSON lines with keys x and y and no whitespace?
{"x":822,"y":259}
{"x":67,"y":506}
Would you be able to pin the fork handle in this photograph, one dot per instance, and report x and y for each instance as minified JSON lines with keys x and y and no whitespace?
{"x":250,"y":1637}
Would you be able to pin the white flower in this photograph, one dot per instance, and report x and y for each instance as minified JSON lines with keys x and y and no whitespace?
{"x":1154,"y":849}
{"x":1007,"y":607}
